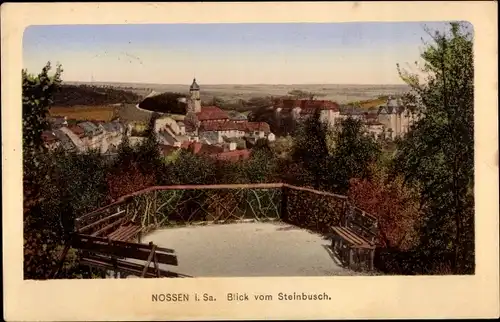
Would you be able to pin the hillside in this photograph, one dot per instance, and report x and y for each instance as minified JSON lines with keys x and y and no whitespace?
{"x":89,"y":95}
{"x":164,"y":103}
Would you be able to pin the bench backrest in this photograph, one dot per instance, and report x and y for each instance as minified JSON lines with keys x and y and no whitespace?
{"x":101,"y":221}
{"x":362,"y":223}
{"x":122,"y":249}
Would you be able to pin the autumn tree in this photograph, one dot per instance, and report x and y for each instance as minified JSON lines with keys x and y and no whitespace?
{"x":394,"y":205}
{"x":438,"y":154}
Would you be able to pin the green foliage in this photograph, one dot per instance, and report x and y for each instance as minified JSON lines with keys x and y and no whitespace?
{"x":438,"y":155}
{"x":38,"y":93}
{"x":189,"y":168}
{"x":262,"y":165}
{"x":76,"y":185}
{"x":328,"y":159}
{"x":353,"y":152}
{"x":165,"y":103}
{"x":311,"y":151}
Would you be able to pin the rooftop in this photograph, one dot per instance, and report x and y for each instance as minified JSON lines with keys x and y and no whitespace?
{"x":77,"y":130}
{"x":112,"y":127}
{"x":209,"y":113}
{"x":236,"y":126}
{"x":194,"y":86}
{"x":48,"y":137}
{"x":89,"y":127}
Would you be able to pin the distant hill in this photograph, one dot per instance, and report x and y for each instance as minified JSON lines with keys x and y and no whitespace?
{"x":370,"y":103}
{"x":89,"y":95}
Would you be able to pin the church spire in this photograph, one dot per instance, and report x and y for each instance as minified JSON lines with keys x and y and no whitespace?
{"x":194,"y":86}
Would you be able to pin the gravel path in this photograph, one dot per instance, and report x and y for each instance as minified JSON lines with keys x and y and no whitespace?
{"x":247,"y":249}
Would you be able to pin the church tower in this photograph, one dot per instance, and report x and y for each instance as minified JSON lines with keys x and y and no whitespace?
{"x":194,"y":104}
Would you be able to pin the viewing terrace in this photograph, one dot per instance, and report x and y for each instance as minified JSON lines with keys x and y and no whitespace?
{"x":270,"y":230}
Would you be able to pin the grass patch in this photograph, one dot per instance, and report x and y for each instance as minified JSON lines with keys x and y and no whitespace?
{"x":80,"y":113}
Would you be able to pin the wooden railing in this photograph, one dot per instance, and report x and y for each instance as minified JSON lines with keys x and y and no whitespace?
{"x":163,"y":206}
{"x":167,"y":206}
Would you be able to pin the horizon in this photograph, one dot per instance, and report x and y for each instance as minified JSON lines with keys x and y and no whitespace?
{"x":364,"y":53}
{"x":104,"y":82}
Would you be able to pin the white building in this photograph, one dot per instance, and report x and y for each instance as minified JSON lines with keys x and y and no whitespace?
{"x":396,"y":119}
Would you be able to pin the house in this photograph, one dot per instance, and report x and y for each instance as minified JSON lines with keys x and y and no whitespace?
{"x":375,"y":129}
{"x":210,"y":114}
{"x":211,"y":137}
{"x":232,"y":129}
{"x":50,"y":141}
{"x":167,"y":137}
{"x":91,"y":129}
{"x":113,"y":129}
{"x":236,"y":116}
{"x":202,"y":149}
{"x":300,"y":109}
{"x":396,"y":118}
{"x":227,"y":152}
{"x":58,"y":122}
{"x":166,"y":122}
{"x":66,"y":143}
{"x":77,"y":130}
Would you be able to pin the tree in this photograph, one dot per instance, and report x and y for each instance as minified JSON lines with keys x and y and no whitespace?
{"x":394,"y":205}
{"x":311,"y":151}
{"x":38,"y":92}
{"x":300,"y":94}
{"x":261,"y":166}
{"x":353,"y":152}
{"x":438,"y":154}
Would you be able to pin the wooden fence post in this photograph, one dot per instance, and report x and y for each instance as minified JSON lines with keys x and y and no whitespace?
{"x":284,"y":204}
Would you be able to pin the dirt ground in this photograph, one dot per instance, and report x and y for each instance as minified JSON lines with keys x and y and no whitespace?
{"x":248,"y":249}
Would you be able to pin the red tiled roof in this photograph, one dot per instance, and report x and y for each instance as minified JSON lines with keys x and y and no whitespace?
{"x":48,"y":137}
{"x":77,"y":130}
{"x":244,"y":126}
{"x":185,"y":144}
{"x":209,"y":113}
{"x":306,"y":105}
{"x":200,"y":148}
{"x":206,"y":149}
{"x":216,"y":152}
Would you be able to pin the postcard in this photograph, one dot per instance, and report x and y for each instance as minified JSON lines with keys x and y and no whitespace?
{"x":200,"y":161}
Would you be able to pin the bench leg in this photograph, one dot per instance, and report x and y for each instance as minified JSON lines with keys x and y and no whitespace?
{"x":372,"y":257}
{"x":139,"y":237}
{"x":351,"y":258}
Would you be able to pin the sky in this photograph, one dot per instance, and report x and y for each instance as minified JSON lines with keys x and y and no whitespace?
{"x":280,"y":53}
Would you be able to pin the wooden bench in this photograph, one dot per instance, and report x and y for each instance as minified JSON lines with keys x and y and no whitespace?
{"x":107,"y":254}
{"x":127,"y":232}
{"x":115,"y":225}
{"x":353,"y":242}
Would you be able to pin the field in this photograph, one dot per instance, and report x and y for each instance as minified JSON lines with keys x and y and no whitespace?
{"x":340,"y":93}
{"x":97,"y":113}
